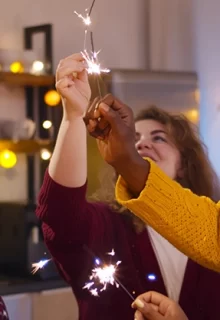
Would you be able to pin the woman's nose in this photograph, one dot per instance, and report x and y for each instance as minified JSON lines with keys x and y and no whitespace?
{"x":143,"y":144}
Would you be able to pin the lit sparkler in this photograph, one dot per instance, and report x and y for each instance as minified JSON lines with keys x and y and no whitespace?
{"x":39,"y":265}
{"x":92,"y":62}
{"x":104,"y":275}
{"x":86,"y":20}
{"x":94,"y":66}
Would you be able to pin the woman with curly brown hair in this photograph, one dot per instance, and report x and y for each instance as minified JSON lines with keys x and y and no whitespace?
{"x":71,"y":223}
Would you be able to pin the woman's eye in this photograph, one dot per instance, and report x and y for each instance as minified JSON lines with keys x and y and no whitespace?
{"x":159,"y":138}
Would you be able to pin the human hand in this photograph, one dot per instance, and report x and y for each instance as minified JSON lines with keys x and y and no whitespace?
{"x":155,"y":306}
{"x":112,"y":123}
{"x":72,"y":84}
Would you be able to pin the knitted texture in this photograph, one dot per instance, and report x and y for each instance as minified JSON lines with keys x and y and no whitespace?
{"x":189,"y":222}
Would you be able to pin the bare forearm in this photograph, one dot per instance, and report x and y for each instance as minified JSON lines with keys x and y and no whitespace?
{"x":134,"y":170}
{"x":68,"y":165}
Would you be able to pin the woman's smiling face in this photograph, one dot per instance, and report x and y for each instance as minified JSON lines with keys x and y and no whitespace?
{"x":153,"y":141}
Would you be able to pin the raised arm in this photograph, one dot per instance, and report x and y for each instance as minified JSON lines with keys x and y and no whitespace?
{"x":189,"y":222}
{"x":69,"y":222}
{"x":68,"y":165}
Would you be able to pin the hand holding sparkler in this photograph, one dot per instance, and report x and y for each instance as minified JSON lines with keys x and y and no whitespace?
{"x":155,"y":306}
{"x":72,"y":84}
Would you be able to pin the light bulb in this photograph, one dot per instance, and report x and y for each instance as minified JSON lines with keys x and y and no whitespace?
{"x":52,"y":98}
{"x":45,"y":154}
{"x":37,"y":66}
{"x":8,"y":159}
{"x":47,"y":124}
{"x":16,"y":67}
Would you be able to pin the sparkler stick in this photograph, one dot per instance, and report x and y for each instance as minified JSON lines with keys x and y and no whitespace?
{"x":95,"y":59}
{"x":86,"y":20}
{"x":93,"y":65}
{"x":92,"y":5}
{"x":123,"y":287}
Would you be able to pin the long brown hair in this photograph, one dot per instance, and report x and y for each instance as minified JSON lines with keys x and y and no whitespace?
{"x":199,"y":175}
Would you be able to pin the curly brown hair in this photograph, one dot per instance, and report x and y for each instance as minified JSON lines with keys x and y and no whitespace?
{"x":199,"y":175}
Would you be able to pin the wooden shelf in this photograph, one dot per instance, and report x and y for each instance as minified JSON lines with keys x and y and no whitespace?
{"x":26,"y":146}
{"x":26,"y":79}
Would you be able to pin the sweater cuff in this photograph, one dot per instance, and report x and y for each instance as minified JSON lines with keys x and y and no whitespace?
{"x":159,"y":189}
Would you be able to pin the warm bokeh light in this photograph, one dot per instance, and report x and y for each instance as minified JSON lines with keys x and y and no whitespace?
{"x":16,"y":67}
{"x":193,"y":115}
{"x":8,"y":159}
{"x":52,"y":98}
{"x":37,"y":67}
{"x":45,"y":154}
{"x":47,"y":124}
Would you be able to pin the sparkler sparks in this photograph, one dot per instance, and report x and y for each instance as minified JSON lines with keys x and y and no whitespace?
{"x":112,"y":253}
{"x":86,"y":20}
{"x":39,"y":265}
{"x":104,"y":274}
{"x":94,"y":66}
{"x":92,"y":62}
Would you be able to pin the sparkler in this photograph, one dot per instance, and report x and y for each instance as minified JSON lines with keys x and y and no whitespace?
{"x":104,"y":275}
{"x":94,"y":66}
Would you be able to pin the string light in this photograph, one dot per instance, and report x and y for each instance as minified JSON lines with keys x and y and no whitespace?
{"x":17,"y":67}
{"x":47,"y":124}
{"x":45,"y":154}
{"x":37,"y":67}
{"x":52,"y":98}
{"x":8,"y":159}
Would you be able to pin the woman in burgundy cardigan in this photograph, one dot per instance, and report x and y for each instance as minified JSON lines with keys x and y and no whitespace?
{"x":72,"y":225}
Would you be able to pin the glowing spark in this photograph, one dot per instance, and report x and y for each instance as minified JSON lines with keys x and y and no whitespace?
{"x":39,"y":265}
{"x":88,"y":285}
{"x":86,"y":20}
{"x":103,"y":275}
{"x":112,"y":253}
{"x":94,"y":292}
{"x":92,"y":62}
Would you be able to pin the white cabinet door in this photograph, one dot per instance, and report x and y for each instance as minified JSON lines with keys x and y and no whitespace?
{"x":19,"y":306}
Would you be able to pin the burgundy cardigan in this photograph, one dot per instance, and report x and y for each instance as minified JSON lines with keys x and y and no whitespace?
{"x":70,"y":224}
{"x":3,"y":311}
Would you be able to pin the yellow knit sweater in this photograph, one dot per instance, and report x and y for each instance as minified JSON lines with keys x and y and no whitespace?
{"x":189,"y":222}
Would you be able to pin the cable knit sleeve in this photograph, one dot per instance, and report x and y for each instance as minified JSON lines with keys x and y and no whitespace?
{"x":189,"y":222}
